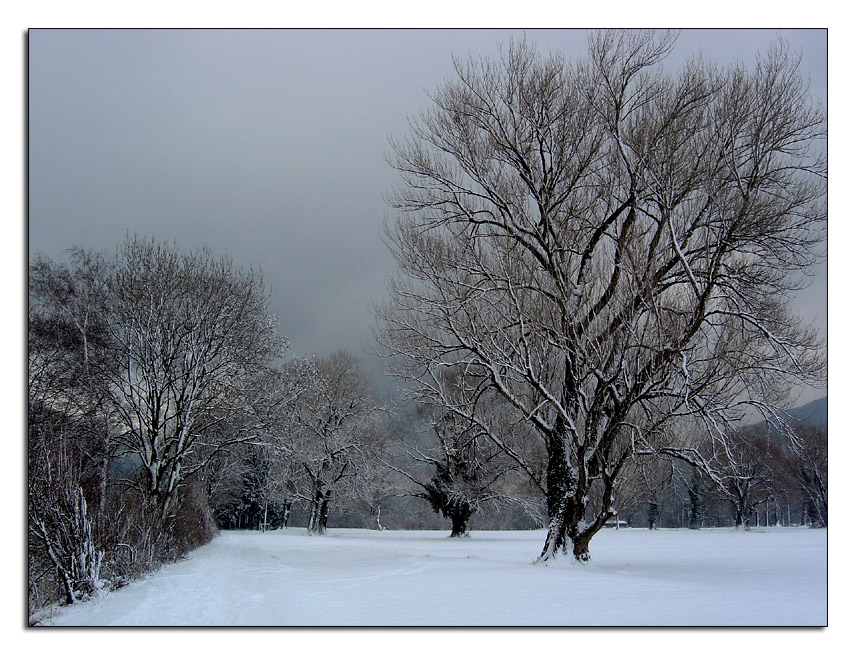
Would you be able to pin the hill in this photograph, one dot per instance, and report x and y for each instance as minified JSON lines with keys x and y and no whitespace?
{"x":813,"y":413}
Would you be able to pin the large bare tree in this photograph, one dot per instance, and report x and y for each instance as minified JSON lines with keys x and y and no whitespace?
{"x":147,"y":359}
{"x":607,"y":247}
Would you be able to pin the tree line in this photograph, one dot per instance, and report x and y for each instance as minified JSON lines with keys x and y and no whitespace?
{"x":756,"y":477}
{"x":162,"y":405}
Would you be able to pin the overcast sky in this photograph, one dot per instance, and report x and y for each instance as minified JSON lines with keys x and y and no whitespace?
{"x":269,"y":145}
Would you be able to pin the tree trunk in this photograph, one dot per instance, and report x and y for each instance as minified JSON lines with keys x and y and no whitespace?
{"x":581,"y":547}
{"x":104,"y":473}
{"x":324,"y":510}
{"x":653,"y":516}
{"x":567,"y":509}
{"x":287,"y":508}
{"x":559,"y":483}
{"x":565,"y":529}
{"x":314,"y":523}
{"x":459,"y":523}
{"x":318,"y":512}
{"x":742,"y":518}
{"x":695,"y":506}
{"x":165,"y":503}
{"x":810,"y":511}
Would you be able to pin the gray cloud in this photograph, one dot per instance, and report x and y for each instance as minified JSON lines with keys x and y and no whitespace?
{"x":269,"y":145}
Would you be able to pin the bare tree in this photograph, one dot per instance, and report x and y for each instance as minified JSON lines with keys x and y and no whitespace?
{"x":464,"y":470}
{"x":63,"y":542}
{"x":373,"y":484}
{"x":188,"y":332}
{"x":806,"y":466}
{"x":647,"y":481}
{"x":606,"y":247}
{"x":67,"y":335}
{"x":258,"y":468}
{"x":146,"y":361}
{"x":68,"y":429}
{"x":741,"y":466}
{"x":327,"y":431}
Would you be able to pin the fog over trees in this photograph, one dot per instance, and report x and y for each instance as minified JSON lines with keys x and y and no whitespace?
{"x":589,"y":327}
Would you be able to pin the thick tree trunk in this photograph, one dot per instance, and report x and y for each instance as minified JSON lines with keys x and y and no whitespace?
{"x":565,"y":530}
{"x":581,"y":547}
{"x":560,"y":482}
{"x":695,"y":506}
{"x":568,"y":526}
{"x":569,"y":482}
{"x":459,"y":524}
{"x":556,"y":539}
{"x":325,"y":510}
{"x":742,"y":518}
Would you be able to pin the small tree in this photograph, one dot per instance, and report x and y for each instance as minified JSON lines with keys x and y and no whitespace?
{"x":327,"y":430}
{"x":464,"y":467}
{"x":806,"y":465}
{"x":741,"y":467}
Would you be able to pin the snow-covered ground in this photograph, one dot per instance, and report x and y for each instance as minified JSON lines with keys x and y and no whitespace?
{"x":422,"y":578}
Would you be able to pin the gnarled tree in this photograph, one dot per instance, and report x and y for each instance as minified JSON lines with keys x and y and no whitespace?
{"x":465,"y":469}
{"x":606,"y":247}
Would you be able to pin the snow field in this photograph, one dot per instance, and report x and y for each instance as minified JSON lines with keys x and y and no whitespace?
{"x":352,"y":577}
